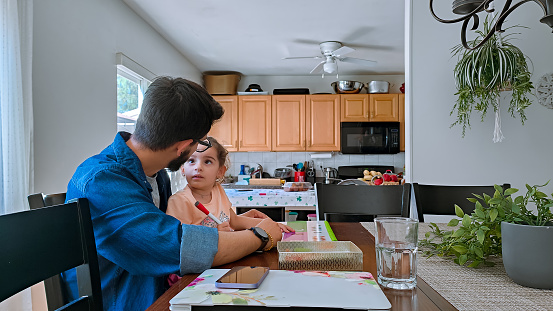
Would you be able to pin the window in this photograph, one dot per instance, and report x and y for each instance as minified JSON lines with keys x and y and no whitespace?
{"x":132,"y":82}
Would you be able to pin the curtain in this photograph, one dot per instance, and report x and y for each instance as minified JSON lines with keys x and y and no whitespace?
{"x":16,"y":122}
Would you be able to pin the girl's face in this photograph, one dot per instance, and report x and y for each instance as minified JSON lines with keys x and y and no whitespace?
{"x":203,"y":169}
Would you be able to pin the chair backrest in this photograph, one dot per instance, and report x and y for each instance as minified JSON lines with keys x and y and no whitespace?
{"x":361,"y":203}
{"x":40,"y":243}
{"x":55,"y":297}
{"x":441,"y":200}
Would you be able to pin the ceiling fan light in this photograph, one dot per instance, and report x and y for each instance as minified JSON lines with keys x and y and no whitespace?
{"x":330,"y":67}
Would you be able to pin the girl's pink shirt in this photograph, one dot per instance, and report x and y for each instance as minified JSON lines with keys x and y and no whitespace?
{"x":181,"y":206}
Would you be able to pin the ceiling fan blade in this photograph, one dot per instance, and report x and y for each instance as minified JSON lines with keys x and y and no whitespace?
{"x":303,"y":57}
{"x":342,"y":51}
{"x":319,"y":67}
{"x":359,"y":61}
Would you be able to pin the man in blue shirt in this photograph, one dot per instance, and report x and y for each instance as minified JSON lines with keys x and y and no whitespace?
{"x":138,"y":244}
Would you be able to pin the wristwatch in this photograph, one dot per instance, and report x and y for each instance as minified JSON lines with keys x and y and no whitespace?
{"x":262,"y":235}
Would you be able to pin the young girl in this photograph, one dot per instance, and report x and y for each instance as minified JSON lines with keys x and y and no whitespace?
{"x":204,"y":171}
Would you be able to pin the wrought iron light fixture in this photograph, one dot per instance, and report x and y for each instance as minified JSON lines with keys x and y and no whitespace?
{"x":470,"y":8}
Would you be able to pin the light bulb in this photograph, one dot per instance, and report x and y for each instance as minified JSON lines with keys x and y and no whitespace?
{"x":330,"y":67}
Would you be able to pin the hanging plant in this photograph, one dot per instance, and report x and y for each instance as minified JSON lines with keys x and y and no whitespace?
{"x":481,"y":74}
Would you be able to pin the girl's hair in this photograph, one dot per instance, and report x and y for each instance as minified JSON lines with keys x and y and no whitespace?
{"x":222,"y":155}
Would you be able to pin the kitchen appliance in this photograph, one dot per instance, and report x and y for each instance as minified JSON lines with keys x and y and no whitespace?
{"x":293,"y":91}
{"x":378,"y":87}
{"x":330,"y":174}
{"x":347,"y":87}
{"x":285,"y":173}
{"x":369,"y":137}
{"x":356,"y":171}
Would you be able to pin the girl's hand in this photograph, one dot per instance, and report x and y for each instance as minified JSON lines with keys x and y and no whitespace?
{"x":224,"y":227}
{"x":285,"y":228}
{"x":253,"y":213}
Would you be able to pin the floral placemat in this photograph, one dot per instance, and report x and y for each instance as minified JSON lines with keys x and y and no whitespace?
{"x":485,"y":288}
{"x":270,"y":197}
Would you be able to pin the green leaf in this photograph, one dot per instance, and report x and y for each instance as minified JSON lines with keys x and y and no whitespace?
{"x":474,"y":264}
{"x":480,"y":236}
{"x":478,"y":251}
{"x":510,"y":191}
{"x":459,"y":212}
{"x":466,"y":220}
{"x":493,"y":214}
{"x":459,"y":249}
{"x":459,"y":232}
{"x":480,"y":213}
{"x":463,"y":259}
{"x":454,"y":222}
{"x":427,"y":234}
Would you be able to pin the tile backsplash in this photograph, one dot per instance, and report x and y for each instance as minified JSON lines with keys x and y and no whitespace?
{"x":272,"y":160}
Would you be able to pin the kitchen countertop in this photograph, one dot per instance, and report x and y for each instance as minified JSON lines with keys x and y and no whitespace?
{"x":234,"y":186}
{"x":267,"y":197}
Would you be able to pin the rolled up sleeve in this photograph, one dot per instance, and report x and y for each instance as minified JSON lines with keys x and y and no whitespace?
{"x":198,"y":248}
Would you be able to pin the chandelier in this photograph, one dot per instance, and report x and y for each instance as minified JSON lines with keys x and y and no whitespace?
{"x":470,"y":8}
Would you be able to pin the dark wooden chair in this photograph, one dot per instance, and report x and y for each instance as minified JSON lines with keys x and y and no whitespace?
{"x":441,"y":200}
{"x":44,"y":242}
{"x":55,"y":297}
{"x":355,"y":203}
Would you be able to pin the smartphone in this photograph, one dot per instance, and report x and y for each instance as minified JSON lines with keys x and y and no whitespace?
{"x":243,"y":277}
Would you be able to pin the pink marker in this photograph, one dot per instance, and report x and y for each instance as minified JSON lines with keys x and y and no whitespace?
{"x":202,"y":208}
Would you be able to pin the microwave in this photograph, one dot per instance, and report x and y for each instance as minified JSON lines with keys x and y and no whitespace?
{"x":369,"y":137}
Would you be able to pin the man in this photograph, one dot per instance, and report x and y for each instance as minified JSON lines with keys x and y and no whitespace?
{"x":138,"y":244}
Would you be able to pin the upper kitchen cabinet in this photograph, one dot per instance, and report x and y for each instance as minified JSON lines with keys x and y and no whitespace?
{"x":306,"y":123}
{"x":226,"y":129}
{"x":323,"y":122}
{"x":254,"y":126}
{"x":355,"y":107}
{"x":288,"y":127}
{"x":383,"y":107}
{"x":369,"y":107}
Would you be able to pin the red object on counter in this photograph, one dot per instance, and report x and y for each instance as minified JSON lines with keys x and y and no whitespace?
{"x":299,"y":176}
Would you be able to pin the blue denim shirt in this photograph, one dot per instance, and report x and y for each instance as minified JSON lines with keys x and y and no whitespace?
{"x":138,"y":245}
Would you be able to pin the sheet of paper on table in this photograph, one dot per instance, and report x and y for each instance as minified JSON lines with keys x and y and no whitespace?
{"x":314,"y":289}
{"x":308,"y":231}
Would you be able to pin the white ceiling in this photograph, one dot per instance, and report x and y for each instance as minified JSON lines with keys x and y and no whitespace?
{"x":252,"y":36}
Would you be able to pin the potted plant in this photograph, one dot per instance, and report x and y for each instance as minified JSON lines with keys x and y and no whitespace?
{"x":501,"y":225}
{"x":483,"y":73}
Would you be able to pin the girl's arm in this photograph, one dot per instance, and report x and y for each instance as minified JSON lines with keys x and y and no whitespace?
{"x":238,"y":222}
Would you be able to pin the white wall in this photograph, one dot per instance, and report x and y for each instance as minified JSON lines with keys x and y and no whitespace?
{"x":439,"y":154}
{"x":315,"y":83}
{"x":74,"y":79}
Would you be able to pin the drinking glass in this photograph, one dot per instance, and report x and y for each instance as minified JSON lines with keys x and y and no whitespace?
{"x":396,"y":251}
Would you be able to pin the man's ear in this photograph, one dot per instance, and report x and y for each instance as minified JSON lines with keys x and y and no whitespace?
{"x":182,"y":145}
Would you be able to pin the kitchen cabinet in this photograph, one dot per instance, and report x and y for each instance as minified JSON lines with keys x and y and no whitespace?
{"x":225,"y":130}
{"x":355,"y":107}
{"x":402,"y":137}
{"x":288,"y":126}
{"x":383,"y":107}
{"x":306,"y":123}
{"x":254,"y":123}
{"x":369,"y":107}
{"x":322,"y":122}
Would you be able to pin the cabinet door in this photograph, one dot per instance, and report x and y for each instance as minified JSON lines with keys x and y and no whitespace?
{"x":323,"y":122}
{"x":384,"y":107}
{"x":355,"y":107}
{"x":254,"y":130}
{"x":288,"y":126}
{"x":402,"y":137}
{"x":225,"y":130}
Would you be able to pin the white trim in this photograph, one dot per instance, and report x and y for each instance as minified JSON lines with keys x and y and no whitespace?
{"x":131,"y":67}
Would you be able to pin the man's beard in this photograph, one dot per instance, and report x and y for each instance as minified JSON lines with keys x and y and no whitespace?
{"x":175,"y":164}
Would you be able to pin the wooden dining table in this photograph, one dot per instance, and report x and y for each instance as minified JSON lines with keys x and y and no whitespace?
{"x":422,"y":297}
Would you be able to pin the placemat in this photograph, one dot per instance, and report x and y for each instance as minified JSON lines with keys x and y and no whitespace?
{"x":485,"y":288}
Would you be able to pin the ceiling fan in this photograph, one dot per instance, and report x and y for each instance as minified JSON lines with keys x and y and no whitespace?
{"x":333,"y":52}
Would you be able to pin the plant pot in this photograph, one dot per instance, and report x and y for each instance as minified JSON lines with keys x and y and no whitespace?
{"x":527,"y":254}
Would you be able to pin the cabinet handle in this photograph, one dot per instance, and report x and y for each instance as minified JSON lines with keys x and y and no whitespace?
{"x":366,"y":115}
{"x":308,"y":143}
{"x":372,"y":114}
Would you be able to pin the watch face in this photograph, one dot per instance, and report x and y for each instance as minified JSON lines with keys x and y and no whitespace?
{"x":260,"y":233}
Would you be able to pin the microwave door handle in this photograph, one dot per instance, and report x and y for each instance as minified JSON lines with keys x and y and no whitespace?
{"x":387,"y":137}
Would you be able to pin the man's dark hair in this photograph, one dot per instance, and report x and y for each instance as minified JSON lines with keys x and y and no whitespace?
{"x":173,"y":110}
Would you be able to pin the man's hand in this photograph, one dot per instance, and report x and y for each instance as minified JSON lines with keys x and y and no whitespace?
{"x":224,"y":227}
{"x":272,"y":229}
